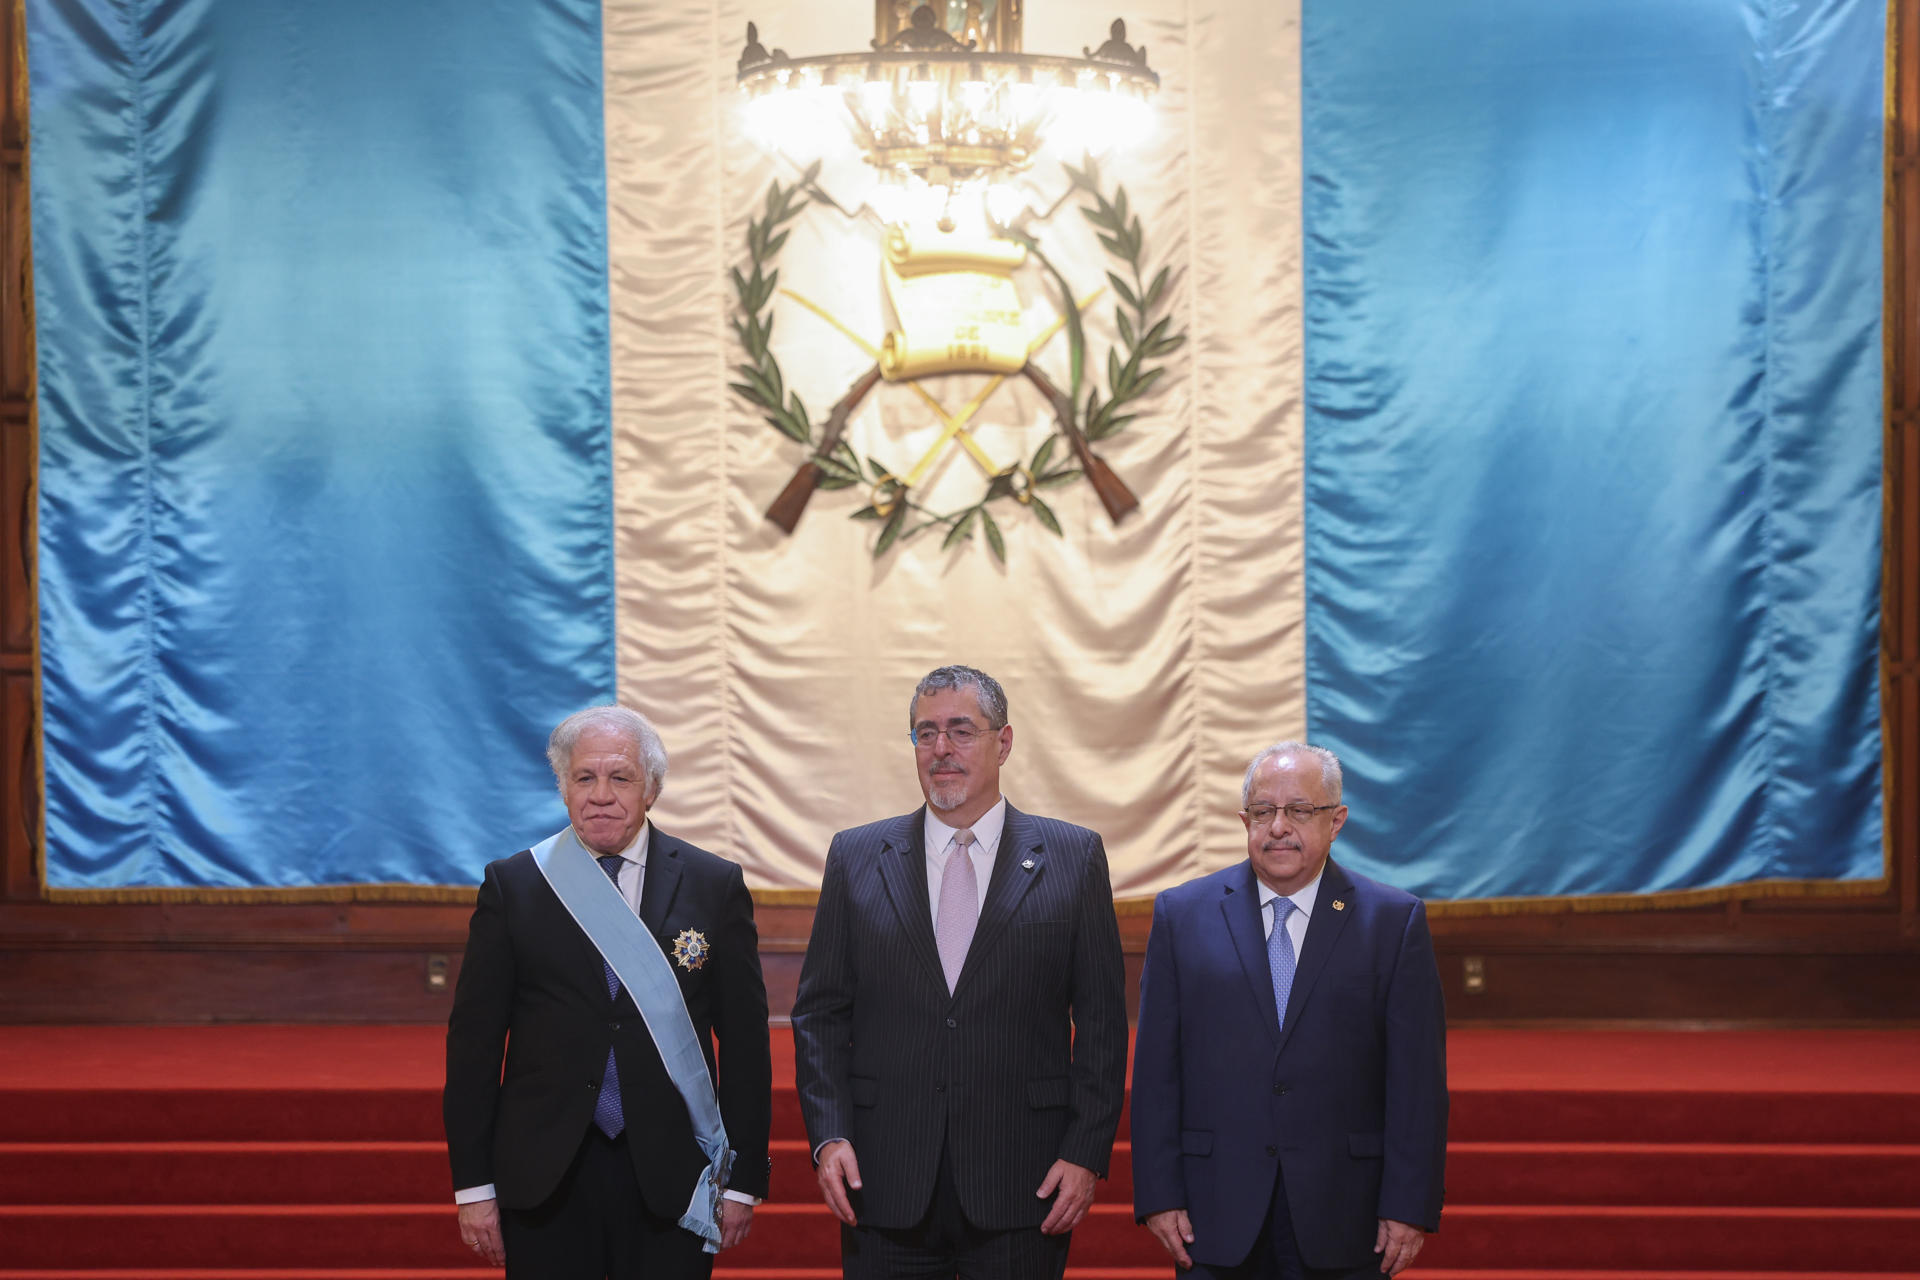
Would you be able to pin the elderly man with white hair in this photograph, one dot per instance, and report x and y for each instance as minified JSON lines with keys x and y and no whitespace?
{"x":601,"y":966}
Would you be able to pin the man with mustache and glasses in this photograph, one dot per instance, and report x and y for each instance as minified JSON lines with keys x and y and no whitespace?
{"x":960,"y":1031}
{"x":1290,"y":1078}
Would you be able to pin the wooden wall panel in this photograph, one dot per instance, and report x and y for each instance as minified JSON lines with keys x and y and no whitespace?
{"x":16,"y":515}
{"x":19,"y":789}
{"x":19,"y":739}
{"x":15,"y":288}
{"x":1805,"y":959}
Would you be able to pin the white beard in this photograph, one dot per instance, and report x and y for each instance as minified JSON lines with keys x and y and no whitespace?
{"x":946,"y":795}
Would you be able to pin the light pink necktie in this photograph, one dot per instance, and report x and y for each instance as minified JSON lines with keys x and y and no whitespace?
{"x":959,"y":907}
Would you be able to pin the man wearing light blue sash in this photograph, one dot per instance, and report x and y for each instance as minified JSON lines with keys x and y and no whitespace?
{"x":602,"y":965}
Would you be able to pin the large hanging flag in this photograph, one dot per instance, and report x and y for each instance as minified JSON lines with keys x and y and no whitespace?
{"x":1522,"y":444}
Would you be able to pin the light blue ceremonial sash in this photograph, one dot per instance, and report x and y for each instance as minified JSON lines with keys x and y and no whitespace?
{"x":597,"y":907}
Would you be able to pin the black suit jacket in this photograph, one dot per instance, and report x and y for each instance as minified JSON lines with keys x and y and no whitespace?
{"x":1023,"y":1064}
{"x":1348,"y":1100}
{"x":533,"y":985}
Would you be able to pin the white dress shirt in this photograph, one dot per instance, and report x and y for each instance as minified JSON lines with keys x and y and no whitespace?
{"x":630,"y":879}
{"x":986,"y":844}
{"x":1302,"y":899}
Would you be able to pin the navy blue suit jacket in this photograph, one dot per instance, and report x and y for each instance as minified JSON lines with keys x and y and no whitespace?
{"x":1348,"y":1100}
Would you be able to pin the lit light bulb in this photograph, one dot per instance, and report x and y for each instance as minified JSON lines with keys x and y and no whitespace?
{"x":1004,"y":203}
{"x":889,"y":200}
{"x":1026,"y":100}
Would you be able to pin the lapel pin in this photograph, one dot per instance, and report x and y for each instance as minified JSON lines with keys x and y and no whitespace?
{"x":1027,"y":865}
{"x":1339,"y":905}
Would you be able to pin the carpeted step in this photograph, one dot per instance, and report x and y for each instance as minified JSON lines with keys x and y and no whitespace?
{"x":1622,"y":1173}
{"x":305,"y":1173}
{"x":438,"y":1273}
{"x":422,"y":1236}
{"x":1639,"y":1237}
{"x":833,"y":1273}
{"x":396,"y":1114}
{"x":1421,"y":1272}
{"x":188,"y":1173}
{"x":1683,"y":1115}
{"x":253,"y":1114}
{"x":1802,"y":1175}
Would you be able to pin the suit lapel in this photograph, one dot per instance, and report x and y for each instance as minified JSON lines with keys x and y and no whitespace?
{"x":1240,"y":904}
{"x":1324,"y":927}
{"x":903,"y":870}
{"x":662,"y":881}
{"x":1019,"y":845}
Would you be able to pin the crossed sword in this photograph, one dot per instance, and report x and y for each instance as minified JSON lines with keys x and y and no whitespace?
{"x":1114,"y":495}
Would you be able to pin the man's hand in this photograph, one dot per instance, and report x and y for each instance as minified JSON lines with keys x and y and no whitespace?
{"x":1075,"y":1185}
{"x":736,"y":1219}
{"x":1397,"y":1243}
{"x":1174,"y":1232}
{"x":838,"y":1171}
{"x":480,"y":1231}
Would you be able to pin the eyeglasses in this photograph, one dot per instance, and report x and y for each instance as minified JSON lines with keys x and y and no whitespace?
{"x":961,"y":736}
{"x":1262,"y":815}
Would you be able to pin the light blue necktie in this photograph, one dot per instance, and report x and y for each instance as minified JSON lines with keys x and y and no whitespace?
{"x":1280,"y":956}
{"x":606,"y":1108}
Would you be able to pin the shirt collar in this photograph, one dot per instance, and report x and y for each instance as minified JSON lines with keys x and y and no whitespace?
{"x":986,"y":831}
{"x":1302,"y":898}
{"x":636,"y":850}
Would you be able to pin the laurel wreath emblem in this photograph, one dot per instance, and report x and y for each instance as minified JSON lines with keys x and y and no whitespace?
{"x":1146,"y":335}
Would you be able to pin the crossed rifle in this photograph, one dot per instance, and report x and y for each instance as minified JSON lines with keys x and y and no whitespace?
{"x":1114,"y":495}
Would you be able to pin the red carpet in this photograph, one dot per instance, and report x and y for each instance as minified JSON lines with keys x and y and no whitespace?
{"x":313,"y":1153}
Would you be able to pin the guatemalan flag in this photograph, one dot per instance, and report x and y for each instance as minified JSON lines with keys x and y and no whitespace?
{"x":1524,"y":444}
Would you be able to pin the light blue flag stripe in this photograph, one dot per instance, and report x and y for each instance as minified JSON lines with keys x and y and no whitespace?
{"x":325,"y":528}
{"x":1593,"y":439}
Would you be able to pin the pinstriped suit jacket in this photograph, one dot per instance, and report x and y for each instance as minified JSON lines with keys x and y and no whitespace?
{"x":1024,"y":1063}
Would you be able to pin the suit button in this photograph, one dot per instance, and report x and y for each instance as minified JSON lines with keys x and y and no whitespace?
{"x":952,"y":1023}
{"x":1279,"y":1088}
{"x":614,"y":1026}
{"x":940,"y":1086}
{"x":1273,"y":1151}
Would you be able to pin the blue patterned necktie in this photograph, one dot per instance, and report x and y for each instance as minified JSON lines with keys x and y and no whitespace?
{"x":606,"y":1108}
{"x":1280,"y":956}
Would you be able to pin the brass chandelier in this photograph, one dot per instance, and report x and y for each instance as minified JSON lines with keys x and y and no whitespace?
{"x":946,"y":98}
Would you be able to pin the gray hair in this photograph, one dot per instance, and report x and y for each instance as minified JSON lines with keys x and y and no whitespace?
{"x":1329,"y":767}
{"x":992,"y":698}
{"x":623,"y":720}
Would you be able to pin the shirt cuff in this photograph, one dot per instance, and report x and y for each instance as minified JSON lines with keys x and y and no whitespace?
{"x":473,"y":1195}
{"x":738,"y":1197}
{"x":823,"y":1145}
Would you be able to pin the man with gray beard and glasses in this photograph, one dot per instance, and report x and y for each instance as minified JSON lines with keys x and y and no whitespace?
{"x":960,"y":1031}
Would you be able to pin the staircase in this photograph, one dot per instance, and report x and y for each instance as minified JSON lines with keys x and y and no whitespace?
{"x":329,"y":1166}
